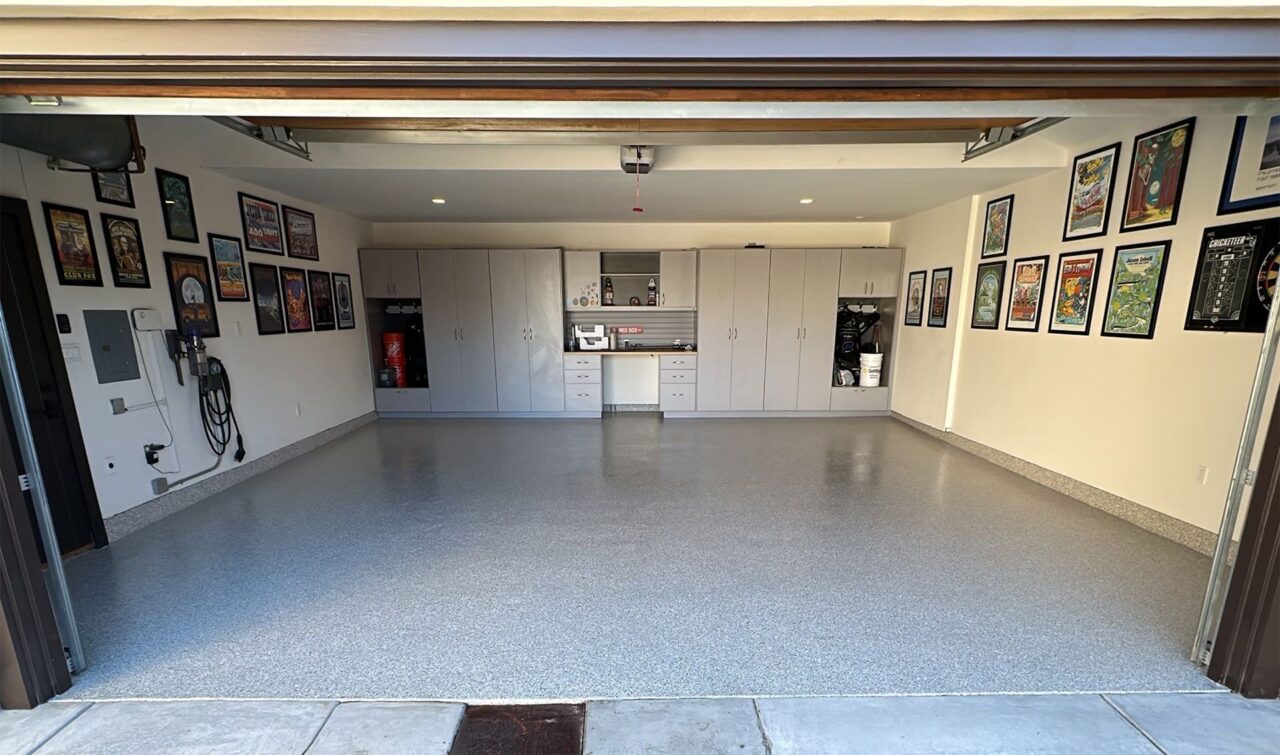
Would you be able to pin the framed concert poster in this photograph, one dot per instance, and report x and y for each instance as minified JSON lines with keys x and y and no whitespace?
{"x":988,"y":293}
{"x":1133,"y":298}
{"x":1252,"y":181}
{"x":1093,"y":181}
{"x":297,"y":304}
{"x":177,"y":206}
{"x":260,"y":220}
{"x":1073,"y":293}
{"x":228,"y":267}
{"x":300,"y":233}
{"x":1157,"y":170}
{"x":124,"y":252}
{"x":113,"y":187}
{"x":268,"y":305}
{"x":915,"y":298}
{"x":995,"y":231}
{"x":344,"y":301}
{"x":1026,"y":293}
{"x":72,"y":242}
{"x":191,"y":290}
{"x":939,"y":297}
{"x":323,"y":316}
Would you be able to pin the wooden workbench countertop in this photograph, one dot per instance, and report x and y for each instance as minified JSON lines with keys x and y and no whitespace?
{"x":635,"y":353}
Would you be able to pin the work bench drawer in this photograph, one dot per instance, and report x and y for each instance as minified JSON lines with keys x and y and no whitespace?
{"x":678,"y":362}
{"x":582,"y":361}
{"x":677,"y":398}
{"x":582,"y":398}
{"x":678,"y":376}
{"x":583,"y":377}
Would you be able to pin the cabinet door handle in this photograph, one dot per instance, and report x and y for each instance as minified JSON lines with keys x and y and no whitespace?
{"x":664,"y":298}
{"x":873,"y":287}
{"x":730,"y":334}
{"x":806,"y":333}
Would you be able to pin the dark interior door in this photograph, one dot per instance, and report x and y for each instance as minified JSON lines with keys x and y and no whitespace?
{"x":45,"y":386}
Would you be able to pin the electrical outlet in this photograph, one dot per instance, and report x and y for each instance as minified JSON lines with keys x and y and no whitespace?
{"x":1202,"y":474}
{"x":238,"y":330}
{"x":109,"y":464}
{"x":297,"y":410}
{"x":117,"y":406}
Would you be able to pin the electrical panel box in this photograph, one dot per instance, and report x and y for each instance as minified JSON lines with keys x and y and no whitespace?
{"x":111,"y":344}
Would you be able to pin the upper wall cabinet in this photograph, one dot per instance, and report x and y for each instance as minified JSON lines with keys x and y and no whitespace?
{"x":679,"y":284}
{"x":390,"y":273}
{"x":870,"y":272}
{"x":581,"y":280}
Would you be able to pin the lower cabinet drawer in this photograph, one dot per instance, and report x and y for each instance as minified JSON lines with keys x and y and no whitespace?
{"x":582,"y":398}
{"x":582,"y":377}
{"x":679,"y":376}
{"x":677,"y":398}
{"x":402,"y":399}
{"x":860,"y":399}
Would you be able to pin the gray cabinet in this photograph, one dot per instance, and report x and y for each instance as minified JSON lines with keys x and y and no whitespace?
{"x":870,"y":272}
{"x":803,"y":296}
{"x":390,"y":273}
{"x":458,"y":321}
{"x":528,"y":323}
{"x":733,"y":307}
{"x":679,"y":276}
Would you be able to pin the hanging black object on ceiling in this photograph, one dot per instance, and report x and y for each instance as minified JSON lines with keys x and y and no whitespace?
{"x":98,"y":142}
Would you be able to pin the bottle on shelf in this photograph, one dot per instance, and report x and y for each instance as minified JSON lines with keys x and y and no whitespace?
{"x":607,"y":298}
{"x":653,"y":293}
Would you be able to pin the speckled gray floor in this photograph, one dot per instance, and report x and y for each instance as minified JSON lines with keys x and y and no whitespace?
{"x":489,"y":559}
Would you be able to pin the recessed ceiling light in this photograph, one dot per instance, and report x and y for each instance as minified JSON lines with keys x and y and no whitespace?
{"x":437,"y":200}
{"x":806,"y":200}
{"x":859,"y":217}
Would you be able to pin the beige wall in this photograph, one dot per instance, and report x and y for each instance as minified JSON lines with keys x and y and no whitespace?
{"x":629,"y":235}
{"x":325,"y":373}
{"x":1134,"y":417}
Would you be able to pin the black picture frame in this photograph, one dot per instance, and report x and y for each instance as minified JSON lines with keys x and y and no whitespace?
{"x":167,"y":182}
{"x":295,"y":246}
{"x":91,"y":273}
{"x":286,"y":276}
{"x":1155,"y":302}
{"x":98,"y":193}
{"x":256,"y":238}
{"x":1063,"y":259}
{"x":1125,"y":227}
{"x":324,"y":310}
{"x":212,"y":239}
{"x":1227,"y":206}
{"x":194,"y":271}
{"x":265,"y":280}
{"x":1002,"y":266}
{"x":119,"y":276}
{"x":923,"y":276}
{"x":947,"y":274}
{"x":1237,"y":266}
{"x":986,"y":228}
{"x":1009,"y":323}
{"x":1110,"y":189}
{"x":339,"y":279}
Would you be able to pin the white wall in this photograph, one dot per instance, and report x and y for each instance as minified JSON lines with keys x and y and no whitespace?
{"x":326,"y":373}
{"x":629,"y":235}
{"x":1137,"y":418}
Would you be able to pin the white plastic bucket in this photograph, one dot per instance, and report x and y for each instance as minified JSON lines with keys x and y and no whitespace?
{"x":869,"y":365}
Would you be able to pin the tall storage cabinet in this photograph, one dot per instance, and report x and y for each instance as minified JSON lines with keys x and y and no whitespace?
{"x":803,"y":294}
{"x":733,"y":313}
{"x":528,"y":323}
{"x":458,"y":322}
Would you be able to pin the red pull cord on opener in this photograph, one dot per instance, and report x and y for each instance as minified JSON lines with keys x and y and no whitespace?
{"x":637,"y":207}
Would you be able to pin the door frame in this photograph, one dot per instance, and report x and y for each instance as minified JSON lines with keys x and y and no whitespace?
{"x":44,"y":313}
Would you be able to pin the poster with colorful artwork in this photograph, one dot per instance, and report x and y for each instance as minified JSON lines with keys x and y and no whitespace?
{"x":297,"y":304}
{"x":260,"y":220}
{"x":915,"y":298}
{"x":995,"y":232}
{"x":323,"y":315}
{"x":228,"y":267}
{"x":1133,"y":299}
{"x":988,"y":293}
{"x":72,"y":243}
{"x":1073,"y":294}
{"x":1026,"y":293}
{"x":1156,"y":174}
{"x":939,"y":297}
{"x":1235,"y":277}
{"x":300,"y":233}
{"x":1093,"y":179}
{"x":268,"y":307}
{"x":192,"y":294}
{"x":124,"y":252}
{"x":1252,"y":180}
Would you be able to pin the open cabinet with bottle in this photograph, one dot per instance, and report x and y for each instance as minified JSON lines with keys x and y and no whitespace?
{"x":630,"y":280}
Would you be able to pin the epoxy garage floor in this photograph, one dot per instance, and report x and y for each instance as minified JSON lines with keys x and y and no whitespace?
{"x":489,"y":559}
